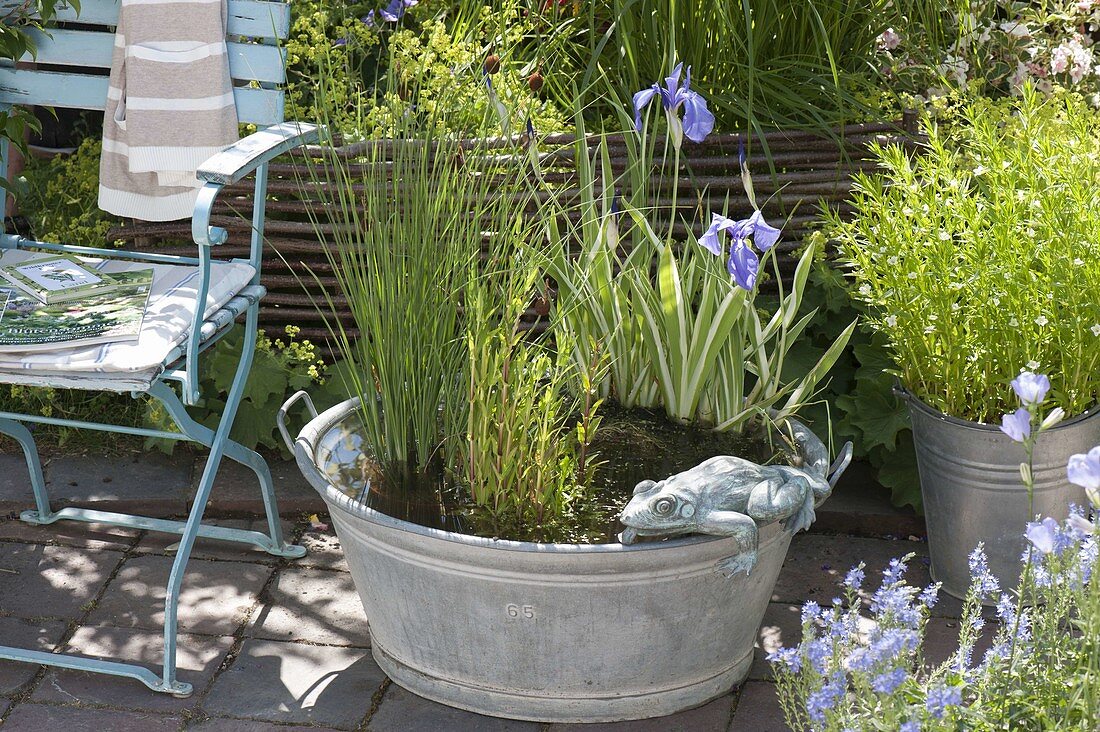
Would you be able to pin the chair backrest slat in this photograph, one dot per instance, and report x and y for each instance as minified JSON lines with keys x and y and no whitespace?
{"x":262,"y":19}
{"x":254,"y":27}
{"x":81,"y":91}
{"x":92,"y":49}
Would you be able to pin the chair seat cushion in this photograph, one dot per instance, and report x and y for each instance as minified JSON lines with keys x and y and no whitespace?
{"x":130,"y":365}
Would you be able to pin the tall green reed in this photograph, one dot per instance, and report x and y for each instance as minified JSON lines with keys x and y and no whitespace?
{"x":408,"y":217}
{"x":767,"y":63}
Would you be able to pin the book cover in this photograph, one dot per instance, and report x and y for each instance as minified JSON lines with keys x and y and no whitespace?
{"x":26,"y":324}
{"x":57,"y":279}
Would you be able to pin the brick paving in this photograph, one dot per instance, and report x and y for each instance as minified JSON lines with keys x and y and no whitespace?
{"x":279,"y":646}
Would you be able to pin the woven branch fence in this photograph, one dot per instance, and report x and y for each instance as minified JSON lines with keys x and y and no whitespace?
{"x":799,"y":172}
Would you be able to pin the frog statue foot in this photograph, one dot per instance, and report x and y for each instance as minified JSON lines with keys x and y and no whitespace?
{"x":730,"y":496}
{"x":742,"y":562}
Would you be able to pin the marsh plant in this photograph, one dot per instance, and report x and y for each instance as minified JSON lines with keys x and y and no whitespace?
{"x":528,"y":414}
{"x":983,"y":252}
{"x":410,"y":215}
{"x":1036,"y":667}
{"x":679,"y":321}
{"x":459,"y":405}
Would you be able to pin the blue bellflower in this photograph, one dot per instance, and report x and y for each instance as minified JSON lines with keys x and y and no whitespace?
{"x":1043,"y":535}
{"x":1017,"y":425}
{"x":744,"y":263}
{"x":1084,"y":470}
{"x":698,"y":120}
{"x":1031,"y":388}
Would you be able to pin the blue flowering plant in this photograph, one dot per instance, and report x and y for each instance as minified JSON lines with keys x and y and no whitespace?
{"x":1033,"y":664}
{"x":691,"y":339}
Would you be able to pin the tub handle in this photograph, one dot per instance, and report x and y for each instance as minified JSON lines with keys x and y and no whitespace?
{"x":280,"y":417}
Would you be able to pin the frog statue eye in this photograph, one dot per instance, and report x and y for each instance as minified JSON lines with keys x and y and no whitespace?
{"x":664,"y":506}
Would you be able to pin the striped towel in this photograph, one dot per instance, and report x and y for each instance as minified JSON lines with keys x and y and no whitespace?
{"x":169,"y":106}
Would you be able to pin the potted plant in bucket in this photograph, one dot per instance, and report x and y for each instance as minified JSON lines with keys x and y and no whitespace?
{"x":475,"y":481}
{"x":987,"y":263}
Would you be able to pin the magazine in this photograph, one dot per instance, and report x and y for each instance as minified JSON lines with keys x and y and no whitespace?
{"x":57,"y":279}
{"x":29,"y":325}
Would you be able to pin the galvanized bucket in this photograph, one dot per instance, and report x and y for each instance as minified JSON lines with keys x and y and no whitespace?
{"x":546,"y":632}
{"x":970,"y":482}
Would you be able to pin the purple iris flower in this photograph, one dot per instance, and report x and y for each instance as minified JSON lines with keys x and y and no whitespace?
{"x":743,"y":262}
{"x":1031,"y":388}
{"x":698,"y":120}
{"x":1043,"y":535}
{"x":1017,"y":425}
{"x":393,"y":12}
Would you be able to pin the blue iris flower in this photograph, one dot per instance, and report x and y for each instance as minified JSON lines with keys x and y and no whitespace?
{"x":393,"y":12}
{"x":744,"y":263}
{"x":698,"y":120}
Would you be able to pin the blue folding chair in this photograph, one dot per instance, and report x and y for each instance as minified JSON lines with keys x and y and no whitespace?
{"x":219,"y":293}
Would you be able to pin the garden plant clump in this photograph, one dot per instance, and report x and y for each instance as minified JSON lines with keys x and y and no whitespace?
{"x":994,"y":48}
{"x":1035,"y":665}
{"x":506,"y":422}
{"x":989,"y":257}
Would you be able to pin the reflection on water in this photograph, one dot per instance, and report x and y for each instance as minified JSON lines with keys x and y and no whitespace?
{"x":630,"y":446}
{"x":342,"y":456}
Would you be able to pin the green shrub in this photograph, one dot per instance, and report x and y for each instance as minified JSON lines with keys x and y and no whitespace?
{"x":280,"y":368}
{"x":981,"y":255}
{"x":59,"y":196}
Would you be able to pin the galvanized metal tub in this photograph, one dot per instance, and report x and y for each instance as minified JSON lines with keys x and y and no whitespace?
{"x":546,"y":632}
{"x":972,"y":491}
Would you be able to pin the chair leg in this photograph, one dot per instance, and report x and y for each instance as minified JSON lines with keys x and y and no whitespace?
{"x":43,"y":514}
{"x":239,"y":453}
{"x":219,"y":445}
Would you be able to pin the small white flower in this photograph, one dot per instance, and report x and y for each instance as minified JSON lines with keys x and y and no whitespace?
{"x":929,"y":329}
{"x":892,"y":261}
{"x":912,"y":275}
{"x":865,"y":290}
{"x":1078,"y":262}
{"x":1033,"y":365}
{"x":944,"y":236}
{"x":1041,"y":321}
{"x":1014,"y":323}
{"x":1095,"y":329}
{"x":955,"y":307}
{"x":995,"y":301}
{"x":892,"y":321}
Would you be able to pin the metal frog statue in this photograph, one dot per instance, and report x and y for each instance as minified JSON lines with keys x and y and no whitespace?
{"x":730,"y":496}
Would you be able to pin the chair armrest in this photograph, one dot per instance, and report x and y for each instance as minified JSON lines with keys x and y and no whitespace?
{"x":240,"y":159}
